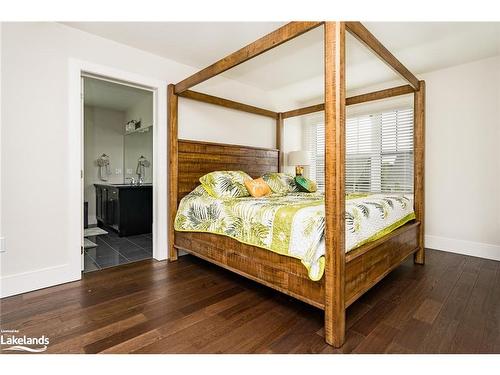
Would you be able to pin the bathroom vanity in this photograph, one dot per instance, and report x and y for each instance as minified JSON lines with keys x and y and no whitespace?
{"x":126,"y":209}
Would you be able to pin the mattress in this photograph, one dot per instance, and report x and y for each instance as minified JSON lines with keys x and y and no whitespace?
{"x":293,"y":224}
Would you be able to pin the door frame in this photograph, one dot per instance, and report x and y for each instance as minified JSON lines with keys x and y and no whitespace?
{"x":77,"y":68}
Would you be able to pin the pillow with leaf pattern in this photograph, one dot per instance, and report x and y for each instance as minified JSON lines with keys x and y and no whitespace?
{"x":306,"y":185}
{"x":280,"y":183}
{"x":225,"y":184}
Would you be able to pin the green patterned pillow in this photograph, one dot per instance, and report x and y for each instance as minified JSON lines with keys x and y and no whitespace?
{"x":306,"y":185}
{"x":280,"y":183}
{"x":225,"y":184}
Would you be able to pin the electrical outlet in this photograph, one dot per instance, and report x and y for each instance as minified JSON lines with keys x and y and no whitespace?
{"x":118,"y":171}
{"x":129,"y":171}
{"x":3,"y":249}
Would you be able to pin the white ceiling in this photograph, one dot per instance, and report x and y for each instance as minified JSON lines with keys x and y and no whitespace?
{"x":104,"y":94}
{"x":192,"y":43}
{"x":422,"y":47}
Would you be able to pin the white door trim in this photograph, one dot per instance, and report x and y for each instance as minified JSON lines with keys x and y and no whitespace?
{"x":75,"y":158}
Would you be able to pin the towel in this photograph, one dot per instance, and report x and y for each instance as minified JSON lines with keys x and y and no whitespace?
{"x":103,"y":164}
{"x":142,"y":164}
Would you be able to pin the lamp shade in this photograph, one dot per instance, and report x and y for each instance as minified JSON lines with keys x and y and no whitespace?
{"x":301,"y":158}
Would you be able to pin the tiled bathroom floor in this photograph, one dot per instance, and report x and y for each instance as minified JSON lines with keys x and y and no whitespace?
{"x":112,"y":250}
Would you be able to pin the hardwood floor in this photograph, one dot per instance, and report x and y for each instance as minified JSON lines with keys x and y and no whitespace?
{"x":450,"y":305}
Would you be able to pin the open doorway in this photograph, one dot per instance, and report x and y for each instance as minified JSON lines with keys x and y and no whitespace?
{"x":118,"y":148}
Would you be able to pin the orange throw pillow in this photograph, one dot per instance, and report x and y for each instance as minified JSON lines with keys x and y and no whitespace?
{"x":257,"y":188}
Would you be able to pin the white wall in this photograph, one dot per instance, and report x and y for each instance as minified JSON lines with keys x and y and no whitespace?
{"x":1,"y":175}
{"x":462,"y":158}
{"x":103,"y":134}
{"x":34,"y":149}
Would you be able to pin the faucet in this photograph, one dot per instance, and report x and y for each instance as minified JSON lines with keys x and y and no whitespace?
{"x":140,"y":181}
{"x":132,"y":180}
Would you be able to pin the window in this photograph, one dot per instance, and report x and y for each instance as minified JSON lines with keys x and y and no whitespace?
{"x":379,"y":152}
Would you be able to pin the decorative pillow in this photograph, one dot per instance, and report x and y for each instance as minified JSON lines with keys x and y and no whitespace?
{"x":257,"y":188}
{"x":280,"y":183}
{"x":305,"y":184}
{"x":225,"y":184}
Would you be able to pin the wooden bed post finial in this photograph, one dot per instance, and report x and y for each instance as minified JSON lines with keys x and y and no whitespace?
{"x":334,"y":50}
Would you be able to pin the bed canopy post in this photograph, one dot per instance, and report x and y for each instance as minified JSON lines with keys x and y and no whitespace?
{"x":334,"y":49}
{"x":419,"y":167}
{"x":172,"y":120}
{"x":279,"y":141}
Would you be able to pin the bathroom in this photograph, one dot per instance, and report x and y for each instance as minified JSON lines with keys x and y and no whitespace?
{"x":118,"y":122}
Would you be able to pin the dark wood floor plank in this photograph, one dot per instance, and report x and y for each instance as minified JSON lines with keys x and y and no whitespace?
{"x":374,"y":317}
{"x":474,"y":323}
{"x":378,"y":340}
{"x":174,"y":326}
{"x":77,"y":344}
{"x":491,"y":340}
{"x":150,"y":300}
{"x":193,"y":338}
{"x":164,"y":315}
{"x":455,"y":293}
{"x":450,"y":305}
{"x":302,"y":329}
{"x":428,"y":311}
{"x":415,"y":322}
{"x":412,"y":334}
{"x":410,"y":300}
{"x":244,"y":339}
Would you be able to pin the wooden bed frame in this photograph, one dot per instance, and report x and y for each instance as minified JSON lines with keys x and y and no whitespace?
{"x":347,"y":275}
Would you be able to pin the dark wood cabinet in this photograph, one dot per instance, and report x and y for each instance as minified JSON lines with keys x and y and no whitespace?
{"x":126,"y":209}
{"x":98,"y":203}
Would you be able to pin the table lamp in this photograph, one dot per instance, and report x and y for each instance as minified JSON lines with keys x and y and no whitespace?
{"x":299,"y":159}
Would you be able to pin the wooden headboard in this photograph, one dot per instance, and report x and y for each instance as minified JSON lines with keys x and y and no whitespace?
{"x":197,"y":158}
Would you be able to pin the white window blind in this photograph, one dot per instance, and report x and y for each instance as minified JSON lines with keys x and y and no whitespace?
{"x":379,"y":152}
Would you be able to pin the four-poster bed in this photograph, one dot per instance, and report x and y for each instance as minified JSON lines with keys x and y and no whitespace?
{"x":347,"y":275}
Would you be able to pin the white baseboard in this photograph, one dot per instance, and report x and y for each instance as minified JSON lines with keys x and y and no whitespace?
{"x":475,"y":249}
{"x":29,"y":281}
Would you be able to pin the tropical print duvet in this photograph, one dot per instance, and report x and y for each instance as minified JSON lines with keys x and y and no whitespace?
{"x":292,"y":224}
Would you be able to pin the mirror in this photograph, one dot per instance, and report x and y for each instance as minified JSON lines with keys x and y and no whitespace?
{"x":138,"y":155}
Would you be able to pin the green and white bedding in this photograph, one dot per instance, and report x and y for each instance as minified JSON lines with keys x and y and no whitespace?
{"x":292,"y":224}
